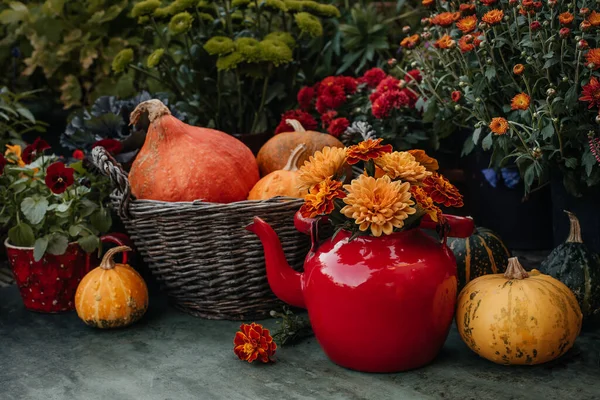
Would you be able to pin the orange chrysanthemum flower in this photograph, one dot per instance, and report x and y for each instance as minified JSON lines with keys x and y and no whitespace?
{"x":518,"y":69}
{"x":378,"y":204}
{"x":593,"y":58}
{"x":467,"y":9}
{"x":410,"y":42}
{"x":422,"y":158}
{"x":428,"y":3}
{"x":254,"y":342}
{"x":566,"y":18}
{"x":402,"y":165}
{"x":467,"y":24}
{"x":594,"y":19}
{"x":426,"y":203}
{"x":323,"y":164}
{"x":442,"y":191}
{"x":499,"y":125}
{"x":367,"y":150}
{"x":493,"y":17}
{"x":13,"y":155}
{"x":520,"y":102}
{"x":445,"y":19}
{"x":445,"y":42}
{"x":320,"y":199}
{"x":469,"y":42}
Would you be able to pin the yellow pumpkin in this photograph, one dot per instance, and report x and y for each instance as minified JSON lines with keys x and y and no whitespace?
{"x":111,"y":295}
{"x":283,"y":182}
{"x":518,"y":318}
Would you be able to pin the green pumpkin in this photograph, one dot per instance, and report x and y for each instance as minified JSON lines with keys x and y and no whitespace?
{"x":576,"y":266}
{"x":480,"y":254}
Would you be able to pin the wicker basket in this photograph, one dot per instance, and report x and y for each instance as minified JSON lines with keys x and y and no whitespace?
{"x":200,"y":253}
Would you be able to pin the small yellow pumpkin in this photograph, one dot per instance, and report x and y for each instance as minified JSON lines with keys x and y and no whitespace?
{"x":111,"y":295}
{"x":518,"y":318}
{"x":283,"y":182}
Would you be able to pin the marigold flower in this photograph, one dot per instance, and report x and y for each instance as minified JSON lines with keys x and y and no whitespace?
{"x":373,"y":77}
{"x":430,"y":163}
{"x":467,"y":24}
{"x":253,"y":342}
{"x":122,"y":60}
{"x":181,"y":23}
{"x":493,"y":17}
{"x":218,"y":45}
{"x":520,"y":102}
{"x":275,"y":52}
{"x":402,"y":165}
{"x":58,"y":177}
{"x":284,"y":37}
{"x":309,"y":24}
{"x":591,"y":93}
{"x":378,"y":204}
{"x":518,"y":69}
{"x":594,"y":19}
{"x":426,"y":203}
{"x":13,"y":155}
{"x":593,"y":58}
{"x":456,"y":96}
{"x":367,"y":150}
{"x":113,"y":146}
{"x":321,"y":198}
{"x":467,"y":9}
{"x":446,"y":19}
{"x":305,"y":119}
{"x":499,"y":125}
{"x":33,"y":150}
{"x":338,"y":126}
{"x":442,"y":191}
{"x":566,"y":18}
{"x":78,"y":154}
{"x":445,"y":42}
{"x":325,"y":163}
{"x":305,"y":97}
{"x":410,"y":42}
{"x":154,"y":58}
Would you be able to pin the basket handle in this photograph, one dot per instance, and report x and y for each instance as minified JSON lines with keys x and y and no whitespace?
{"x":111,"y":168}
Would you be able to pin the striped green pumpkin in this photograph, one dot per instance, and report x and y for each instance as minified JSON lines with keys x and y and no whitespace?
{"x":480,"y":254}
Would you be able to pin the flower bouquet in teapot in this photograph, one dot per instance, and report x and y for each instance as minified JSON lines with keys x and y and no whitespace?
{"x":379,"y":270}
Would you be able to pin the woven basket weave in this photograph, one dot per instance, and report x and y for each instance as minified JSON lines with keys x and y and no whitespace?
{"x":200,"y":253}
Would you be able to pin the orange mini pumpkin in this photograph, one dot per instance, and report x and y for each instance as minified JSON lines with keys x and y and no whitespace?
{"x":111,"y":295}
{"x":273,"y":155}
{"x":283,"y":182}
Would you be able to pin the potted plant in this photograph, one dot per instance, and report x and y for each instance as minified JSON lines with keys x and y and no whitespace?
{"x":229,"y":64}
{"x":55,"y":215}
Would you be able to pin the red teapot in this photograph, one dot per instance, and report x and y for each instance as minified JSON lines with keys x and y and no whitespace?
{"x":376,"y":304}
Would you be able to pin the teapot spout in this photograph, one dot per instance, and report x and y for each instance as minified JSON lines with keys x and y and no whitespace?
{"x":284,"y":281}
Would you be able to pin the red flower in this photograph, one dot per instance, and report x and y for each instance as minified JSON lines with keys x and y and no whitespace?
{"x":3,"y":163}
{"x":33,"y":150}
{"x":78,"y":155}
{"x":456,"y":96}
{"x":413,"y":74}
{"x":591,"y":93}
{"x":330,"y":97}
{"x":564,"y":32}
{"x":327,"y":117}
{"x":254,"y":342}
{"x":59,"y":177}
{"x":338,"y":126}
{"x":489,"y":2}
{"x":373,"y":77}
{"x":305,"y":119}
{"x":350,"y":84}
{"x":388,"y":83}
{"x":305,"y":97}
{"x":535,"y":25}
{"x":113,"y":146}
{"x":388,"y":101}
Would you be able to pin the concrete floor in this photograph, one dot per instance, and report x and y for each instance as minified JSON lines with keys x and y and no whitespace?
{"x":170,"y":355}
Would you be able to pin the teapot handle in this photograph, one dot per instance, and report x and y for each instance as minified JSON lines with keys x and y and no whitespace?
{"x":459,"y":227}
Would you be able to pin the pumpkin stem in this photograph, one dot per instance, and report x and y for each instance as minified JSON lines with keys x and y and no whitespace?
{"x":575,"y":230}
{"x":294,"y":123}
{"x":292,"y":162}
{"x":107,"y":260}
{"x":154,"y":107}
{"x":515,"y":270}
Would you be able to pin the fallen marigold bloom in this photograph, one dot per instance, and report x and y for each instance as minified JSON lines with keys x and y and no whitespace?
{"x":254,"y":342}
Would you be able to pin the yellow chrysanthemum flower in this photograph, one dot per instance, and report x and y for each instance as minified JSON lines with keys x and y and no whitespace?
{"x":378,"y":204}
{"x":219,"y":45}
{"x":275,"y":52}
{"x":322,"y":165}
{"x":144,"y":8}
{"x":402,"y":165}
{"x":309,"y":24}
{"x":181,"y":23}
{"x":154,"y":58}
{"x":122,"y":60}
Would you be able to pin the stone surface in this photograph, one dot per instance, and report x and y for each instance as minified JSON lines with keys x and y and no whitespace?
{"x":170,"y":355}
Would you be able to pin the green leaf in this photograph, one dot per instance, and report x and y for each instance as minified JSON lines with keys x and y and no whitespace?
{"x":588,"y":161}
{"x":548,"y":131}
{"x":34,"y":209}
{"x":57,"y":244}
{"x":101,"y":220}
{"x":21,"y":235}
{"x":550,"y":62}
{"x":468,"y":147}
{"x":487,"y":142}
{"x":476,"y":134}
{"x":89,"y":243}
{"x":529,"y":176}
{"x":490,"y":73}
{"x":18,"y":12}
{"x":39,"y":248}
{"x":571,"y":162}
{"x":26,"y":114}
{"x":571,"y":97}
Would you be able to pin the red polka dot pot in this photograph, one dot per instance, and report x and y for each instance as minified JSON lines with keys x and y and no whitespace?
{"x":49,"y":285}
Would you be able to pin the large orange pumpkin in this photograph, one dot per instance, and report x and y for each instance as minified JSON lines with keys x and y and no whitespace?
{"x":518,"y":317}
{"x":274,"y":154}
{"x":284,"y":182}
{"x":179,"y":162}
{"x":111,"y":295}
